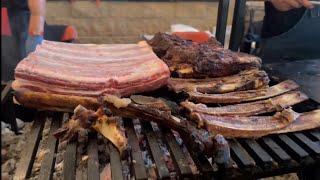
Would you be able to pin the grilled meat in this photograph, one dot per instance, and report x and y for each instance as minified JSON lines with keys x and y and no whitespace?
{"x":245,"y":80}
{"x":248,"y":109}
{"x":198,"y":60}
{"x":244,"y":96}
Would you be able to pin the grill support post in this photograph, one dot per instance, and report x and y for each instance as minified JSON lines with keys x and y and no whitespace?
{"x":222,"y":20}
{"x":237,"y":25}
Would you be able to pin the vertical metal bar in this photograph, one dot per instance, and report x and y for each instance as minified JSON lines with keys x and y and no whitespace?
{"x":222,"y":20}
{"x":237,"y":24}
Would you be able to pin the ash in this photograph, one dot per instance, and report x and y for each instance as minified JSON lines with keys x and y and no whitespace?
{"x":11,"y":147}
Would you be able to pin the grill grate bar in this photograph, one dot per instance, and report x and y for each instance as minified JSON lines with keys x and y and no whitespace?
{"x":275,"y":150}
{"x":308,"y":144}
{"x":178,"y":156}
{"x":28,"y":156}
{"x":138,"y":165}
{"x":115,"y":162}
{"x":240,"y":155}
{"x":69,"y":163}
{"x":316,"y":134}
{"x":156,"y":153}
{"x":258,"y":153}
{"x":93,"y":160}
{"x":47,"y":164}
{"x":292,"y":148}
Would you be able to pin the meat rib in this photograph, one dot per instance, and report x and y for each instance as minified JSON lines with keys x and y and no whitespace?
{"x":253,"y":126}
{"x":249,"y":109}
{"x":188,"y":59}
{"x":305,"y":121}
{"x":159,"y":111}
{"x":80,"y":71}
{"x":245,"y":80}
{"x":244,"y":96}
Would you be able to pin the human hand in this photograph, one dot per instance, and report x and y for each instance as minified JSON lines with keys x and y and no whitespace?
{"x":286,"y":5}
{"x":32,"y":42}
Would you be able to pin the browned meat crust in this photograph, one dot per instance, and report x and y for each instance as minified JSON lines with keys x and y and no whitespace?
{"x":307,"y":120}
{"x":189,"y":59}
{"x":245,"y":80}
{"x":53,"y":102}
{"x":253,"y":126}
{"x":249,"y":109}
{"x":244,"y":96}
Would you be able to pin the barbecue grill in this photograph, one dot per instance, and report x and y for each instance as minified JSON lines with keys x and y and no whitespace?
{"x":250,"y":158}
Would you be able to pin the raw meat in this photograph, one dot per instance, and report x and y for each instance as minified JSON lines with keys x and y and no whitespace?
{"x":245,"y":80}
{"x":88,"y":70}
{"x":188,"y":59}
{"x":244,"y":96}
{"x":249,"y":109}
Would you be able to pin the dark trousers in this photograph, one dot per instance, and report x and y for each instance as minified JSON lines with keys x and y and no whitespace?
{"x":13,"y":48}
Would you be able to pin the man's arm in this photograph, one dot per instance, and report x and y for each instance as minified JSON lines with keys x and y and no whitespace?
{"x":37,"y":16}
{"x":286,"y":5}
{"x":36,"y":24}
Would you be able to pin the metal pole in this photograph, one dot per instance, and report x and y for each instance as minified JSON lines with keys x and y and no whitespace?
{"x":222,"y":20}
{"x":237,"y":24}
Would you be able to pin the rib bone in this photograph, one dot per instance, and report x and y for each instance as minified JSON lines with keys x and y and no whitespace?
{"x":245,"y":80}
{"x":244,"y":96}
{"x":249,"y":109}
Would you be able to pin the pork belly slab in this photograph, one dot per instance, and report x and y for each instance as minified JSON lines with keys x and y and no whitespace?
{"x":88,"y":70}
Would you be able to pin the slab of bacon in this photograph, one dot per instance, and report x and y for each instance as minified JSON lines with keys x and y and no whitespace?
{"x":76,"y":72}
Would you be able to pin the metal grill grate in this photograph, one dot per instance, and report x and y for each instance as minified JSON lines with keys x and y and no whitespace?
{"x":250,"y":158}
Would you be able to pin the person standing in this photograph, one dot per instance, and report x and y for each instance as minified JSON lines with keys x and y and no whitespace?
{"x":26,"y":23}
{"x":291,"y":30}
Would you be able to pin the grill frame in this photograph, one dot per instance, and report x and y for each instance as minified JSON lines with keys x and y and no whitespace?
{"x":250,"y":158}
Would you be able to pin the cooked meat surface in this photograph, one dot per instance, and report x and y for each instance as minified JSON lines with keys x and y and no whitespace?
{"x":196,"y":60}
{"x":89,"y":70}
{"x":251,"y":108}
{"x":257,"y":126}
{"x":305,"y":121}
{"x":244,"y":96}
{"x":252,"y":126}
{"x":245,"y":80}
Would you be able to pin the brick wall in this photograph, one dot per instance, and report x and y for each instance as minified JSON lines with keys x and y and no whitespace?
{"x":123,"y":22}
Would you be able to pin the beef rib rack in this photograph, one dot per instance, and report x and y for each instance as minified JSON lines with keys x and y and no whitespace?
{"x":60,"y":76}
{"x":188,"y":59}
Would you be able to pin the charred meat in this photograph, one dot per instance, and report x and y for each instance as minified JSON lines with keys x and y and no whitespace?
{"x":197,"y":60}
